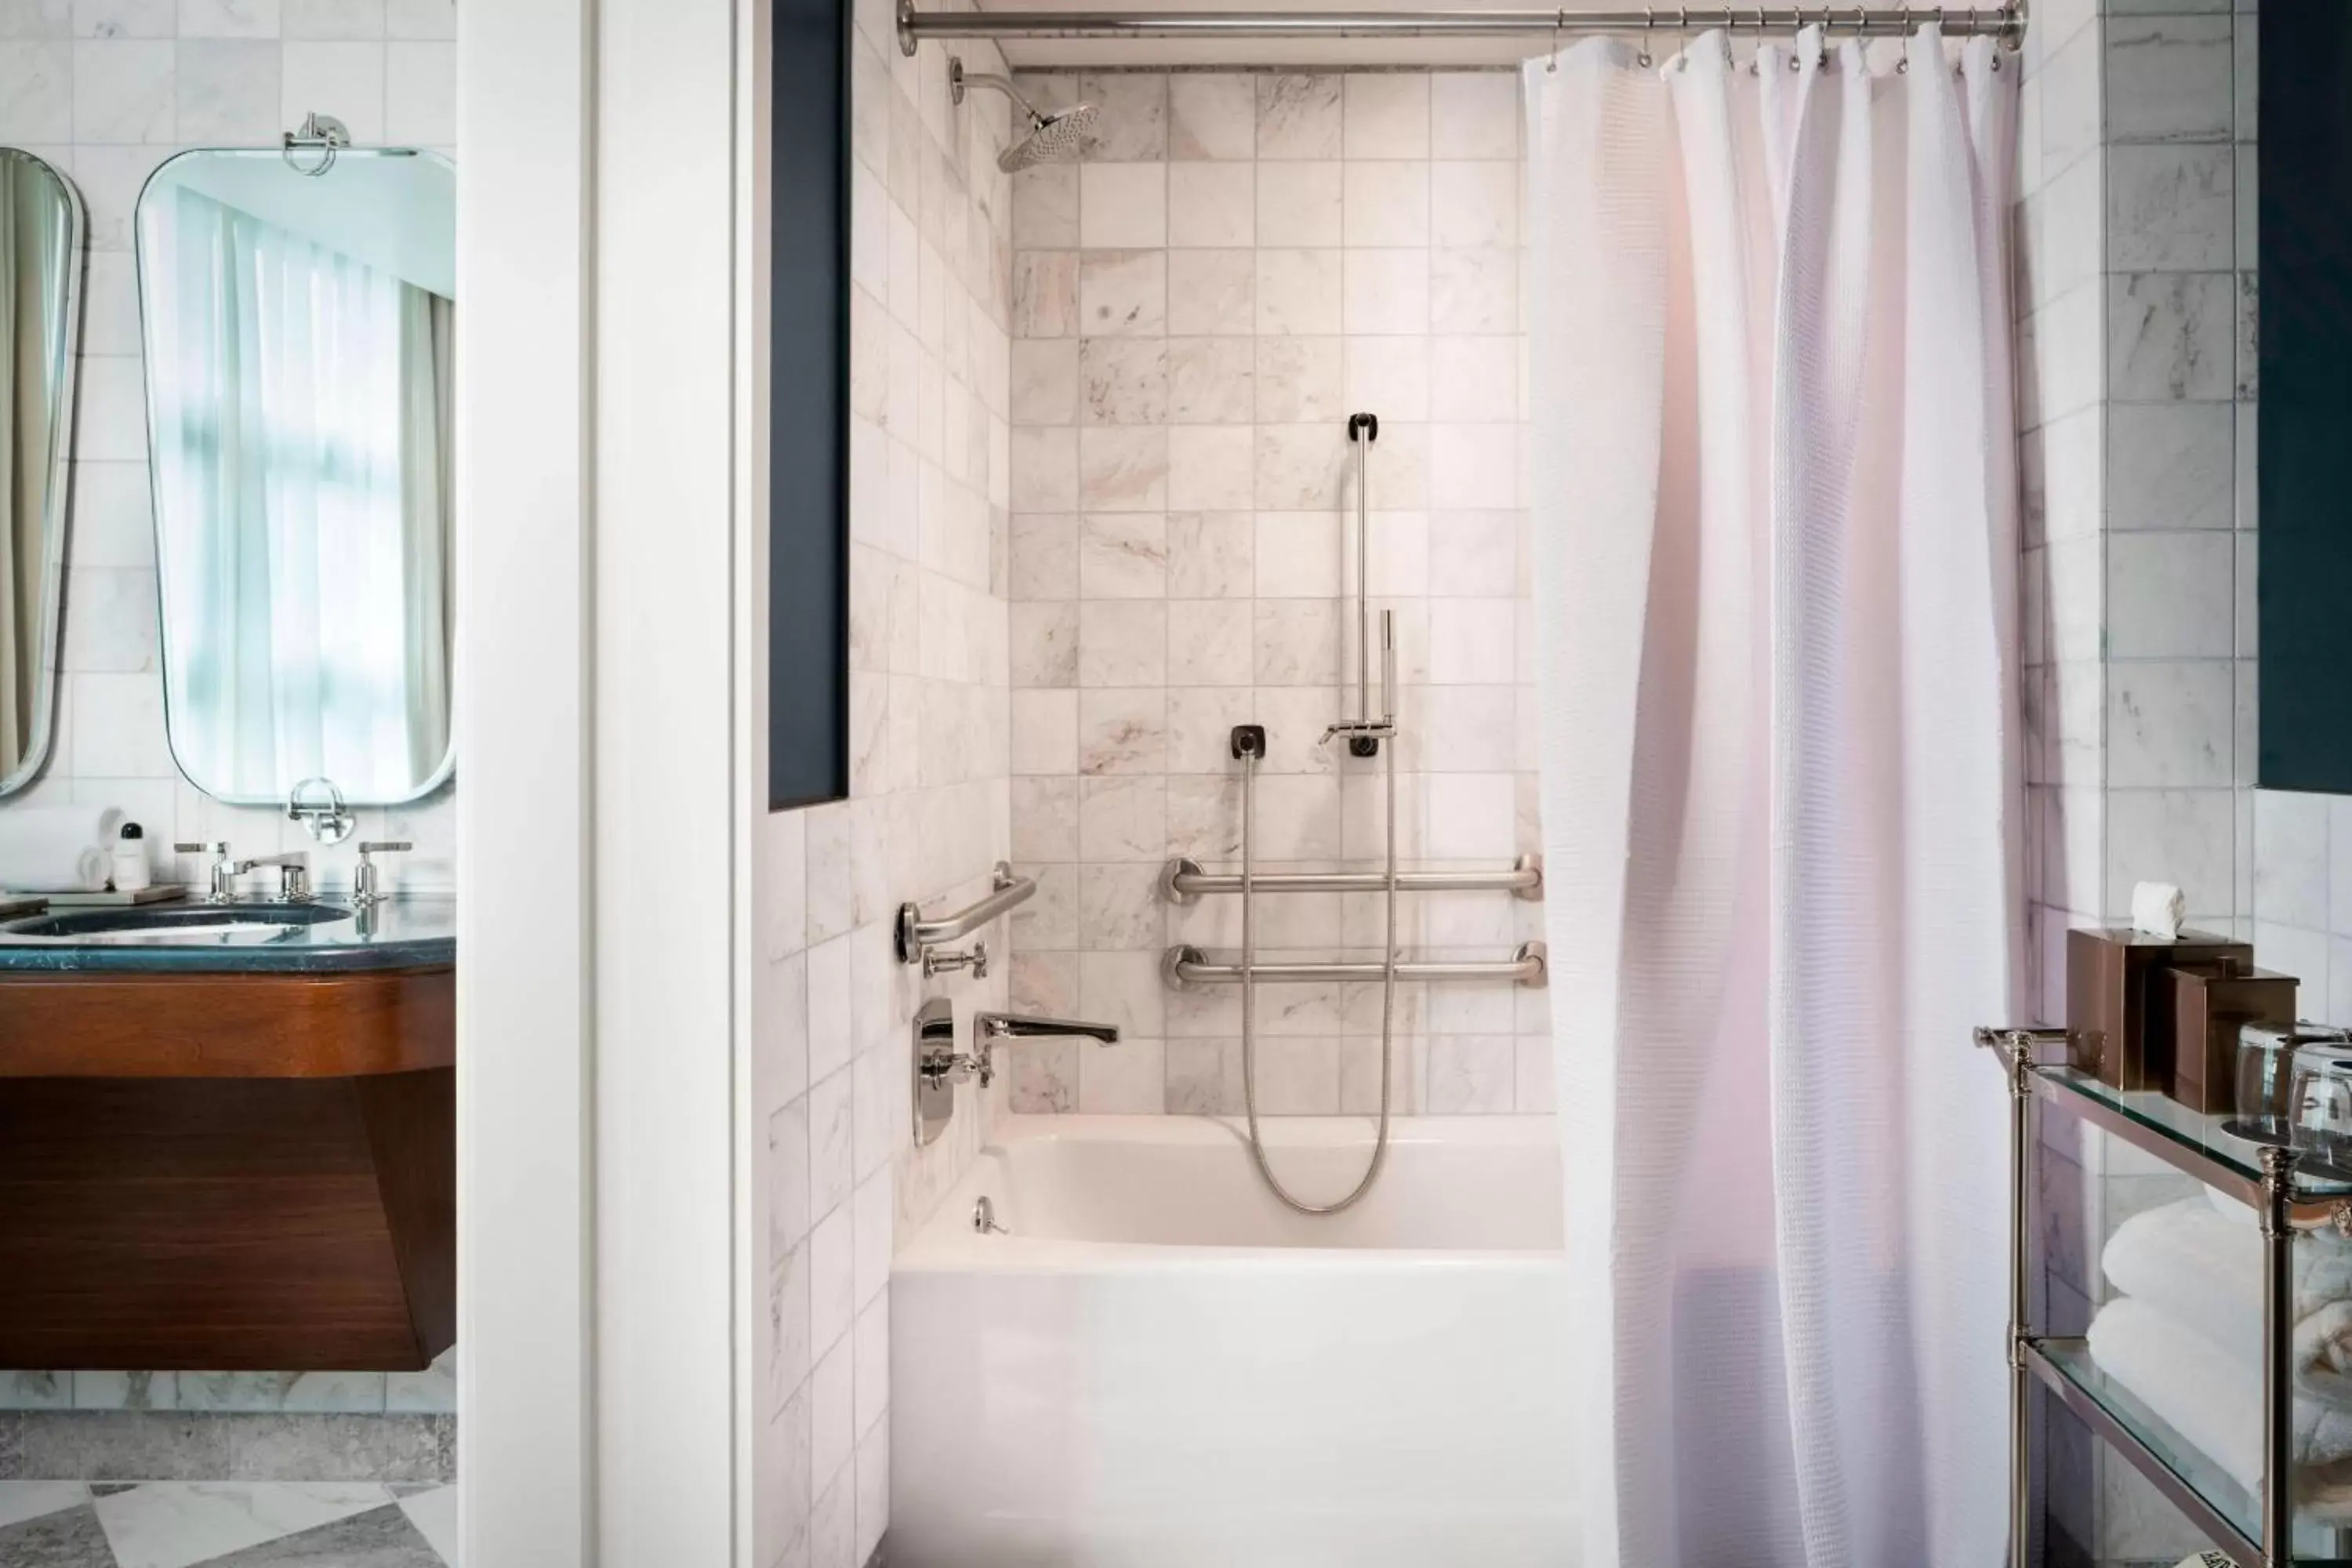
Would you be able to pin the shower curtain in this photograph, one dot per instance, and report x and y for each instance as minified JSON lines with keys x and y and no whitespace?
{"x":1775,"y":579}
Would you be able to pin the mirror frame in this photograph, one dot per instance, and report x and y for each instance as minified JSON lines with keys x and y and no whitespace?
{"x":60,"y":510}
{"x":447,"y":767}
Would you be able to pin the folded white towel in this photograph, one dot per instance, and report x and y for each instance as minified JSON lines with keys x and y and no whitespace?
{"x":2214,"y":1400}
{"x":56,"y":848}
{"x":2203,"y":1266}
{"x":2157,"y":908}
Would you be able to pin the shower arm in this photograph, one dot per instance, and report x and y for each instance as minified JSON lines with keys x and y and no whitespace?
{"x":959,"y":79}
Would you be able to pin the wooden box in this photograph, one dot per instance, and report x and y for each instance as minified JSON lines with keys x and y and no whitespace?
{"x":2109,"y":977}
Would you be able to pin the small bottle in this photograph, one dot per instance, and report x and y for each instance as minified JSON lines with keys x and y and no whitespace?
{"x":130,"y":872}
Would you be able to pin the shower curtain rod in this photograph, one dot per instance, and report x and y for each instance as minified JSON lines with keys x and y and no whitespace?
{"x":2005,"y":22}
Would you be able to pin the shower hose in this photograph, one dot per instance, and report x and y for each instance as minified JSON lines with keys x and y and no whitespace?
{"x":1250,"y":754}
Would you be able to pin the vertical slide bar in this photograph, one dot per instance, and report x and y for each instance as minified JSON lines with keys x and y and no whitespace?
{"x":2018,"y":1052}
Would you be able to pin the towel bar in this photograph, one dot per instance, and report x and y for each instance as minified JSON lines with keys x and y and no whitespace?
{"x":1185,"y":968}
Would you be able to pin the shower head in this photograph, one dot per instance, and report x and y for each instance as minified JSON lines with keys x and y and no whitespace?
{"x":1056,"y":138}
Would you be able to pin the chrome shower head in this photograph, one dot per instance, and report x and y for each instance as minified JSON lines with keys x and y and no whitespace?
{"x":1056,"y":138}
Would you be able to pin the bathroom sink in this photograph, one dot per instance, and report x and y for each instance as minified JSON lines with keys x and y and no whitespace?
{"x":190,"y":923}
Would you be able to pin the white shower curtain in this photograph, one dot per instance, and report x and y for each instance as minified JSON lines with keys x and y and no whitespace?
{"x":1775,"y":571}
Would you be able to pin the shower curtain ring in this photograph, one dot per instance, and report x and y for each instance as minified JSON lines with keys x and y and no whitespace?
{"x":1558,"y":24}
{"x":1903,"y":65}
{"x":1649,"y":25}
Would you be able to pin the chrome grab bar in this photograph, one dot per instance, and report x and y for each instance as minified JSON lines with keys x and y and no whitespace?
{"x":1183,"y":881}
{"x":1185,"y":967}
{"x":916,"y":933}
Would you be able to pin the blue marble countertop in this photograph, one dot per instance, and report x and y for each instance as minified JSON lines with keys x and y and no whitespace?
{"x":399,"y":933}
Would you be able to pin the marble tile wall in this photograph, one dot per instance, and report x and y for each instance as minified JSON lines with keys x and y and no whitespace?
{"x":106,"y":90}
{"x":835,"y":1174}
{"x":1238,"y":263}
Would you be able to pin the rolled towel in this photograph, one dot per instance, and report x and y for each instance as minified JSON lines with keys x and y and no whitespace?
{"x":2203,"y":1266}
{"x":2213,"y":1399}
{"x":56,"y":848}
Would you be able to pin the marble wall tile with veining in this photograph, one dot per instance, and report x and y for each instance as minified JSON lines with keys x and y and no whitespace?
{"x":2249,"y":337}
{"x":1120,"y":906}
{"x":1044,"y":381}
{"x":1044,"y":1081}
{"x":1298,"y":1076}
{"x":350,"y":1391}
{"x":1299,"y":555}
{"x":1471,"y":1074}
{"x":1046,"y":207}
{"x":1044,"y":468}
{"x":1122,"y":206}
{"x":1474,"y":467}
{"x":1121,"y":819}
{"x":126,"y":1390}
{"x":1385,"y":292}
{"x":1123,"y":468}
{"x":1212,"y":205}
{"x":1045,"y":556}
{"x":1128,"y":1078}
{"x":2172,"y":465}
{"x":123,"y":90}
{"x":1299,"y":116}
{"x":2172,"y":336}
{"x":2169,"y":723}
{"x":37,"y":96}
{"x":1474,"y":290}
{"x":36,"y":1390}
{"x":1132,"y":126}
{"x":1122,"y":555}
{"x":1122,"y":989}
{"x":1299,"y":379}
{"x":1048,"y":922}
{"x":1123,"y":643}
{"x":2171,"y":595}
{"x":1300,"y":292}
{"x":1301,"y":204}
{"x":1300,"y":468}
{"x":1203,"y":1077}
{"x":226,"y":90}
{"x":1123,"y":381}
{"x":1475,"y":555}
{"x":1209,"y":466}
{"x":1211,"y":115}
{"x":1474,"y":204}
{"x":1209,"y":642}
{"x":1390,"y":376}
{"x":1473,"y":114}
{"x":1045,"y":733}
{"x":1296,"y":642}
{"x":1387,"y":114}
{"x":1199,"y":722}
{"x":1211,"y":555}
{"x":1043,"y":638}
{"x":1123,"y":293}
{"x":1204,"y":816}
{"x":1046,"y":294}
{"x":1122,"y":731}
{"x":1211,"y":381}
{"x":1211,"y":292}
{"x":2170,"y":79}
{"x":2170,"y":208}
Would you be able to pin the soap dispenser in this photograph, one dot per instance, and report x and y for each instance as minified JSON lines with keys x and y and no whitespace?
{"x":130,"y":870}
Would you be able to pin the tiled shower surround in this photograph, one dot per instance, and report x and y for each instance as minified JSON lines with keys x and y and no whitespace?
{"x":1239,"y":263}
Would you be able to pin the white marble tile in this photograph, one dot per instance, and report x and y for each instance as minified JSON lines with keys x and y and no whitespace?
{"x":1211,"y":555}
{"x":1387,"y":114}
{"x":1119,"y":904}
{"x":1473,"y":114}
{"x":2169,"y":724}
{"x":1203,"y":1077}
{"x":1299,"y":379}
{"x":2182,"y":837}
{"x":2172,"y":336}
{"x":1471,"y":1074}
{"x":1300,"y":468}
{"x":171,"y":1524}
{"x":229,"y":18}
{"x":351,"y":76}
{"x":1211,"y":115}
{"x":1044,"y":732}
{"x":1387,"y":292}
{"x":1133,"y":125}
{"x":1122,"y":989}
{"x":832,"y":1412}
{"x":1045,"y":469}
{"x":36,"y":1391}
{"x":122,"y":90}
{"x":1471,"y":817}
{"x":1385,"y":203}
{"x":1299,"y":555}
{"x":2170,"y":208}
{"x":1298,"y":1075}
{"x":1474,"y":290}
{"x":1212,"y":380}
{"x":342,"y":19}
{"x":1211,"y":292}
{"x":1122,"y":206}
{"x":1044,"y":381}
{"x":1209,"y":642}
{"x":2171,"y":595}
{"x":1122,"y":555}
{"x":420,"y":103}
{"x":1122,"y":643}
{"x":1301,"y":204}
{"x":1474,"y":204}
{"x":118,"y":19}
{"x":2172,"y":467}
{"x":1474,"y":467}
{"x":1046,"y":294}
{"x":1298,"y":292}
{"x":1209,"y":466}
{"x":2292,"y":858}
{"x":1044,"y":644}
{"x":2170,"y":79}
{"x":346,"y":1392}
{"x":832,"y":1282}
{"x":1212,"y":205}
{"x":1044,"y":1078}
{"x":126,"y":1390}
{"x":434,"y":1513}
{"x":1299,"y":116}
{"x":830,"y":1145}
{"x":21,"y":1501}
{"x":1123,"y":293}
{"x":1122,"y":731}
{"x":1296,"y":642}
{"x":1045,"y":206}
{"x":1389,"y":376}
{"x":1122,"y":380}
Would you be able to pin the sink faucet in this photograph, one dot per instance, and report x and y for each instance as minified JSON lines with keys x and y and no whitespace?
{"x":293,"y":876}
{"x":941,"y":1062}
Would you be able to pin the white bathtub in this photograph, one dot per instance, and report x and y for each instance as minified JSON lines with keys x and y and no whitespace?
{"x":1162,"y":1366}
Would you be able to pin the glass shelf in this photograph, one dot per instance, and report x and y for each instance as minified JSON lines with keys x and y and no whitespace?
{"x":2201,"y":1489}
{"x":2196,"y":1143}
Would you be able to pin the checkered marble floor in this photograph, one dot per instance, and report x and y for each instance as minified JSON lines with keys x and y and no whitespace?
{"x":226,"y":1524}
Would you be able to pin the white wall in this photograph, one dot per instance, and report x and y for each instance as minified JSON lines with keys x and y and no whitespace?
{"x":106,"y":90}
{"x":1241,"y":262}
{"x":834,"y":1175}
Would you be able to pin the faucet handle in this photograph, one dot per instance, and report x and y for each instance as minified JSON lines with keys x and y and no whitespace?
{"x":216,"y":847}
{"x":365,"y":891}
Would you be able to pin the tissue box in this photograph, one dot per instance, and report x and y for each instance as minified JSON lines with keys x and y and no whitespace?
{"x":2199,"y":1015}
{"x":2109,"y":977}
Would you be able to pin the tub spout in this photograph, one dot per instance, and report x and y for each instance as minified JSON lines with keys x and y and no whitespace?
{"x":1023,"y":1027}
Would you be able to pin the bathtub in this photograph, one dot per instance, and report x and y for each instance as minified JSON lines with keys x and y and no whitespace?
{"x":1161,"y":1367}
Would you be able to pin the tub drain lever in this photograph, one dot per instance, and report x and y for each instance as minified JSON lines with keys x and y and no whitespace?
{"x":984,"y":1219}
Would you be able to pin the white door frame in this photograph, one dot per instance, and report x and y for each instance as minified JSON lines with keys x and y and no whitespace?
{"x":600,"y":810}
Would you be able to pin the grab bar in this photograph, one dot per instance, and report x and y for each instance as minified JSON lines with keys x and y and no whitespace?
{"x":916,"y":933}
{"x":1183,"y":881}
{"x":1185,"y":967}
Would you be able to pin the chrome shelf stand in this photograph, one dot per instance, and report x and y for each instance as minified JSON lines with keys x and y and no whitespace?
{"x":2264,"y":1178}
